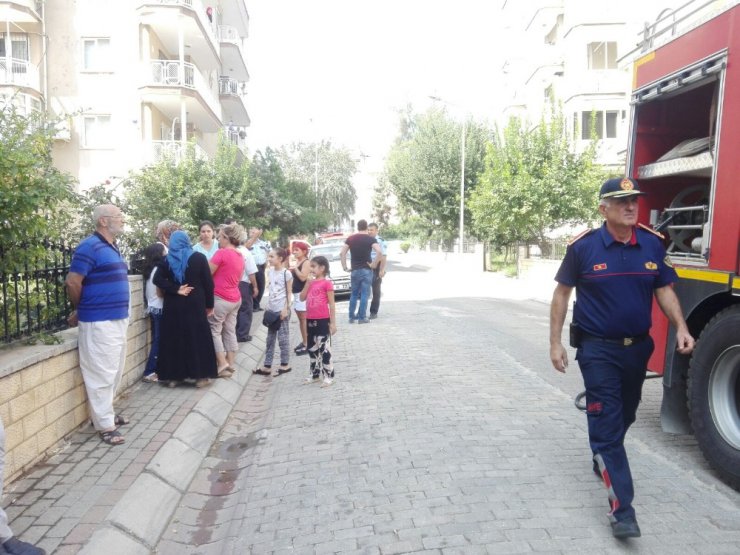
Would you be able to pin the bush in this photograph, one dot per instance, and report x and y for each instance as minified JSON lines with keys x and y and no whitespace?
{"x":405,"y":246}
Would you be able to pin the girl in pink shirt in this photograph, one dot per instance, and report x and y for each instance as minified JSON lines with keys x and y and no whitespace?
{"x":320,"y":320}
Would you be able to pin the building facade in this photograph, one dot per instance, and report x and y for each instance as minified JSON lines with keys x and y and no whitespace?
{"x":134,"y":81}
{"x":569,"y":56}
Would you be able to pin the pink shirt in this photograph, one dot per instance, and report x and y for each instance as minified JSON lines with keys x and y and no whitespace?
{"x":317,"y":301}
{"x":226,"y":278}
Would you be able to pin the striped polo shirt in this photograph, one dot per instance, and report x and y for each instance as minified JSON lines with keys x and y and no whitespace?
{"x":105,"y":290}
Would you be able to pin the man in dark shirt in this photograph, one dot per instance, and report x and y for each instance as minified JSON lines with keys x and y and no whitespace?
{"x":360,"y":246}
{"x":616,"y":271}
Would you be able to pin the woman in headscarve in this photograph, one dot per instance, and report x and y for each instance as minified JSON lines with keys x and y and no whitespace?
{"x":185,"y":349}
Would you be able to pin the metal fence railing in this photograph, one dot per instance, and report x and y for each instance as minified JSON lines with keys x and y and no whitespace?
{"x":32,"y":294}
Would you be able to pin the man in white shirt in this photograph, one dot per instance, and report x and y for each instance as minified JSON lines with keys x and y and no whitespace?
{"x":249,"y":290}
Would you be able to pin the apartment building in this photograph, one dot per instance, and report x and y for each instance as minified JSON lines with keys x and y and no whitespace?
{"x":569,"y":53}
{"x":135,"y":80}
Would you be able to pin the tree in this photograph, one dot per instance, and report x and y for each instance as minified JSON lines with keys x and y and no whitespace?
{"x":332,"y":187}
{"x":35,"y":198}
{"x":189,"y":192}
{"x":286,"y":206}
{"x":423,"y":169}
{"x":382,"y":200}
{"x":34,"y":195}
{"x":533,"y":183}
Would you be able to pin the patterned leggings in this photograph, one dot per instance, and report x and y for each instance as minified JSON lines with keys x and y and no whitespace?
{"x":319,"y":348}
{"x":283,"y":337}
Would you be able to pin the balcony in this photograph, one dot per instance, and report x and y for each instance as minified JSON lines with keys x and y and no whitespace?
{"x":232,"y":54}
{"x":19,"y":73}
{"x":238,"y":137}
{"x":231,"y":93}
{"x":169,"y":19}
{"x":173,"y":151}
{"x":21,"y":11}
{"x":168,"y":83}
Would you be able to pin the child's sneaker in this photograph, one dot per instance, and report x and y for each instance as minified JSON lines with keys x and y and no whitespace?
{"x":327,"y":382}
{"x":310,"y":380}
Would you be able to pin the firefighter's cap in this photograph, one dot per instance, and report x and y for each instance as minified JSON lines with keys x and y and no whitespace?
{"x":618,"y":187}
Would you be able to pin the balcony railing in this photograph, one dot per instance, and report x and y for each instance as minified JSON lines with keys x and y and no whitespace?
{"x":227,"y":33}
{"x":195,"y":5}
{"x":229,"y":86}
{"x":186,"y":3}
{"x":173,"y":73}
{"x":175,"y":152}
{"x":18,"y":72}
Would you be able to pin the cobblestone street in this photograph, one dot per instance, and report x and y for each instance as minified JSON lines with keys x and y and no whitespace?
{"x":446,"y":431}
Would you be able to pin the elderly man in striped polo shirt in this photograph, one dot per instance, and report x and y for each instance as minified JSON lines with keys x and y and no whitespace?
{"x":97,"y":285}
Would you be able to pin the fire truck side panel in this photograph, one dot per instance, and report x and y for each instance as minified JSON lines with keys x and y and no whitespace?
{"x":696,"y":45}
{"x":684,"y":152}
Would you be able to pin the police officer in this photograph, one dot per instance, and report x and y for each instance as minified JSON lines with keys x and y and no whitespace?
{"x":616,"y":270}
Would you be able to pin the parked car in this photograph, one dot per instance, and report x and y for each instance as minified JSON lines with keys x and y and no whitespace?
{"x":338,"y":276}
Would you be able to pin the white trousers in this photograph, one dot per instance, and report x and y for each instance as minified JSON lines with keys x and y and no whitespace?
{"x":102,"y":348}
{"x":5,"y":532}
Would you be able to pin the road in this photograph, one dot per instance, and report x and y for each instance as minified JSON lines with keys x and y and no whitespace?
{"x":446,"y":431}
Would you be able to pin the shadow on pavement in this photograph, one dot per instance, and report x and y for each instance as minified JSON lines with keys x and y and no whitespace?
{"x":396,"y":267}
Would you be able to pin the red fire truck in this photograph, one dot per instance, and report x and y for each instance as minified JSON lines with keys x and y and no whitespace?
{"x":685,"y":151}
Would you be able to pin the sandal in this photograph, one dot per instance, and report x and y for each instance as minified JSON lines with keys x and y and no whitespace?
{"x":202,"y":382}
{"x":120,"y":420}
{"x":280,"y":371}
{"x":112,"y":437}
{"x":150,"y":378}
{"x":261,"y":371}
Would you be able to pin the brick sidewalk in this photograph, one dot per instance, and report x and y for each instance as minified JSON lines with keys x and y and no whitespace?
{"x":62,"y":502}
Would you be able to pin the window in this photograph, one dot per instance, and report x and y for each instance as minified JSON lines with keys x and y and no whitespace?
{"x":97,"y":132}
{"x":602,"y":55}
{"x":19,"y":53}
{"x":18,"y":46}
{"x":96,"y":54}
{"x":604,"y":124}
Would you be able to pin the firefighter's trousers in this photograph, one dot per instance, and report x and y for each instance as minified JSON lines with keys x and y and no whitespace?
{"x":613,"y":375}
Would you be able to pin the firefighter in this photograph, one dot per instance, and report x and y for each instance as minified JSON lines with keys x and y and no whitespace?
{"x":616,"y":270}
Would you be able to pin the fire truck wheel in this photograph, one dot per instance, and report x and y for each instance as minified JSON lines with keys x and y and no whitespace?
{"x":714,"y":394}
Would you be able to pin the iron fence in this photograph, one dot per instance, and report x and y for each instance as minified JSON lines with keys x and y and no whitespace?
{"x":32,"y":294}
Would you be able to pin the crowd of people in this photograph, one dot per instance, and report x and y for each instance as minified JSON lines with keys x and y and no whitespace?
{"x":200,"y":298}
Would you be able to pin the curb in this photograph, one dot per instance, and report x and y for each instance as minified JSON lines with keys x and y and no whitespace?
{"x":139,"y":519}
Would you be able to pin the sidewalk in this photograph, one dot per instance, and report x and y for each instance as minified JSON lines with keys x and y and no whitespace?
{"x":95,"y":498}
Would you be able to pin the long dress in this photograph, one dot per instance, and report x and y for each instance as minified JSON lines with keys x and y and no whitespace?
{"x":185,"y":343}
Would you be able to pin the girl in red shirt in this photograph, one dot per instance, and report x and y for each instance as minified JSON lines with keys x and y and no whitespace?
{"x":318,"y":292}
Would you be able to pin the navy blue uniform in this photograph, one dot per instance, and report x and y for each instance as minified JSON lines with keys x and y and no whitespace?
{"x":614,"y":284}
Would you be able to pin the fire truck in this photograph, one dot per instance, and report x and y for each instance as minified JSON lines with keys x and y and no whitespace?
{"x":684,"y":149}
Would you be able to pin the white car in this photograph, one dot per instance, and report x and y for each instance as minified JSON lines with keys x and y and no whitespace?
{"x":338,"y":276}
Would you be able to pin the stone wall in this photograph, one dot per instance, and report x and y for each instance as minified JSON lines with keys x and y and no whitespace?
{"x":42,"y":396}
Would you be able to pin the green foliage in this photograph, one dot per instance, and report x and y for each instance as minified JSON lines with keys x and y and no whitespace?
{"x":533,"y":182}
{"x":188,"y":192}
{"x":287,"y":206}
{"x":34,"y":194}
{"x":503,"y":259}
{"x":382,"y":202}
{"x":423,"y":169}
{"x":34,"y":210}
{"x":405,"y":246}
{"x":334,"y":192}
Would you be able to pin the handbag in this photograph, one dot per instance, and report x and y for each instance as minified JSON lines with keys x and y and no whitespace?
{"x":272,"y":319}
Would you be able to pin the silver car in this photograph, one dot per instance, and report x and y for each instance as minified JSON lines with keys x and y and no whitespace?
{"x":338,"y":276}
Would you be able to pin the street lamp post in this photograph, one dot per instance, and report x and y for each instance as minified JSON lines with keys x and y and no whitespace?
{"x":461,"y":231}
